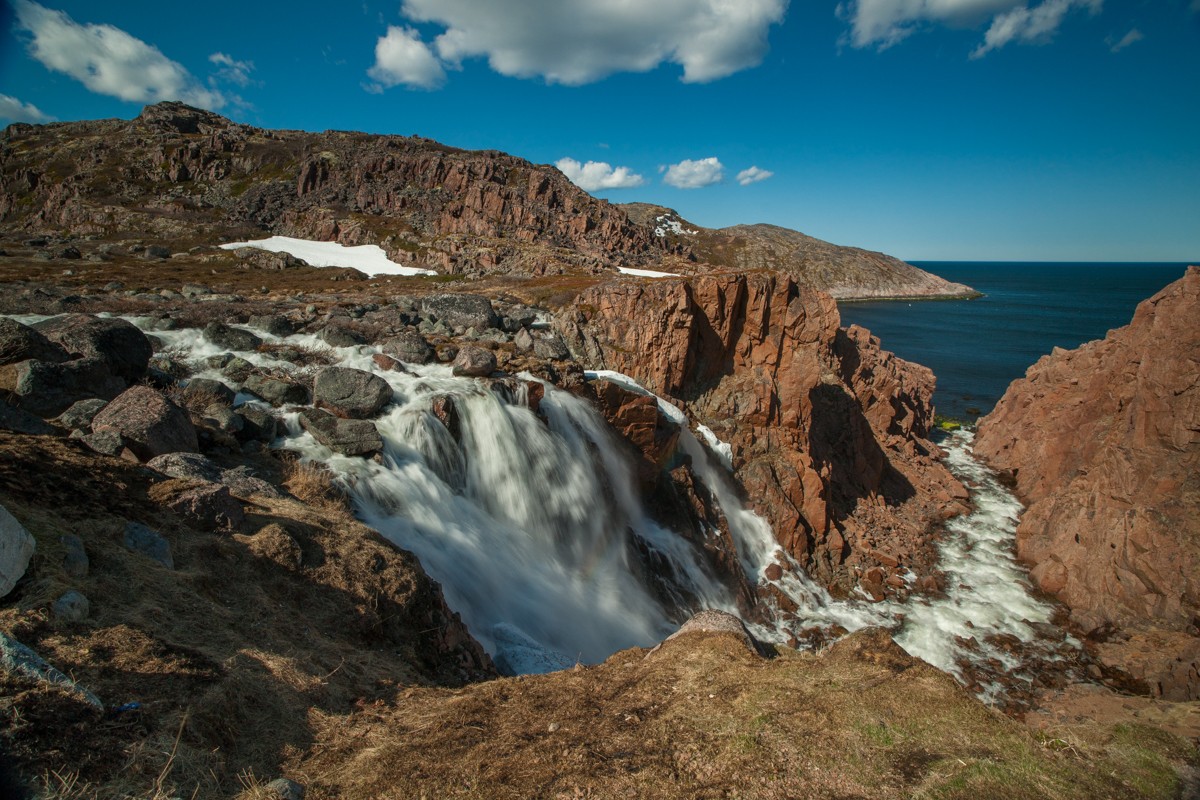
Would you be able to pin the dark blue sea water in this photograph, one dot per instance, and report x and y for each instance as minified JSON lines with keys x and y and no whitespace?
{"x":977,"y":347}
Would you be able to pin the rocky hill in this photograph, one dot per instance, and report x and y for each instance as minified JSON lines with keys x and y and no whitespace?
{"x":177,"y":178}
{"x":1103,"y":443}
{"x":846,"y":273}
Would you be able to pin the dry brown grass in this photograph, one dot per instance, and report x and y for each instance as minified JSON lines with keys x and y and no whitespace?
{"x":301,"y":355}
{"x":314,"y":484}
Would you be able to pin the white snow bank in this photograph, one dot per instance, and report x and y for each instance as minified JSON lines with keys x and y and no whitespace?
{"x":645,"y":273}
{"x":366,"y":258}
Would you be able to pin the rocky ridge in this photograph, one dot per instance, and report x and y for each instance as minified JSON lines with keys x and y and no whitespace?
{"x":1103,"y":444}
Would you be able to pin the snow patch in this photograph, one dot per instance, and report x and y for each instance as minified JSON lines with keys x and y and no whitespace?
{"x":668,"y":224}
{"x":645,"y":273}
{"x":366,"y":258}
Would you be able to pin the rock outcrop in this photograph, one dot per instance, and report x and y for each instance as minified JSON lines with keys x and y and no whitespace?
{"x":827,"y":430}
{"x":1103,"y":444}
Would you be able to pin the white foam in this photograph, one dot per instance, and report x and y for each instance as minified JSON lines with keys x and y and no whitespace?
{"x":366,"y":258}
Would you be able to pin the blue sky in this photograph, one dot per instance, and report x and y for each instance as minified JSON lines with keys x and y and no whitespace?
{"x":929,"y":129}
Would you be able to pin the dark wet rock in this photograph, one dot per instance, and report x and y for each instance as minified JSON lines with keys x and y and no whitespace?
{"x":461,"y":311}
{"x":276,"y":391}
{"x":120,"y":344}
{"x":150,"y":423}
{"x":16,"y":548}
{"x":350,"y":393}
{"x":19,"y":342}
{"x":199,"y":389}
{"x":274,"y":324}
{"x":237,"y":369}
{"x":105,"y":442}
{"x":71,"y":606}
{"x":409,"y":347}
{"x":148,"y":542}
{"x":474,"y":362}
{"x":444,"y":408}
{"x":221,"y":417}
{"x":18,"y":421}
{"x":351,"y":437}
{"x":75,"y":558}
{"x":48,"y":389}
{"x":157,"y":251}
{"x":231,"y":338}
{"x":337,"y":336}
{"x":80,"y":414}
{"x":258,"y":424}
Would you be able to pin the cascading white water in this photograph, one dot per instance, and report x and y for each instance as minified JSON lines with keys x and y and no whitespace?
{"x":530,"y":526}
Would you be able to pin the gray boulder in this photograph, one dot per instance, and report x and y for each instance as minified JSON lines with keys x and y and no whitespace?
{"x":350,"y":393}
{"x":208,"y":506}
{"x":106,"y":442}
{"x":550,"y":347}
{"x":231,"y":338}
{"x":71,"y":606}
{"x":350,"y":437}
{"x":338,"y":336}
{"x":409,"y":347}
{"x":461,"y":311}
{"x":474,"y":362}
{"x":258,"y":424}
{"x":523,"y":340}
{"x":16,"y":548}
{"x":20,"y":342}
{"x":285,"y":789}
{"x":123,"y":348}
{"x":242,"y":482}
{"x":18,"y":421}
{"x":48,"y":389}
{"x":276,"y":391}
{"x":17,"y":659}
{"x":274,"y":324}
{"x":75,"y":557}
{"x":189,"y":466}
{"x":148,"y":542}
{"x":81,"y":413}
{"x":150,"y":423}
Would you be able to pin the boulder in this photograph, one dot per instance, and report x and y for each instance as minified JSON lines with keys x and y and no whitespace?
{"x":337,"y":336}
{"x":148,"y":542}
{"x":276,"y":391}
{"x":350,"y":393}
{"x":207,"y":506}
{"x":231,"y":338}
{"x":75,"y":558}
{"x":188,"y":466}
{"x":48,"y":389}
{"x":200,"y":392}
{"x":17,"y":659}
{"x":20,"y":342}
{"x":106,"y":442}
{"x":71,"y":606}
{"x":16,"y":548}
{"x":550,"y":347}
{"x":80,"y":414}
{"x":461,"y":311}
{"x":285,"y":789}
{"x":474,"y":362}
{"x":123,"y":348}
{"x":242,"y":482}
{"x":18,"y":421}
{"x":409,"y":347}
{"x":350,"y":437}
{"x":274,"y":324}
{"x":258,"y":424}
{"x":150,"y":423}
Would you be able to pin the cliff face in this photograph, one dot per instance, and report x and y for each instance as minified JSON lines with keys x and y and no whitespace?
{"x":1104,"y":446}
{"x":827,"y":429}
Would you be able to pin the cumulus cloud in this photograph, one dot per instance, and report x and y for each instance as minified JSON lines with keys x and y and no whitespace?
{"x":231,"y":70}
{"x":688,"y":174}
{"x":883,"y":23}
{"x":596,"y":175}
{"x":13,"y":110}
{"x":402,"y":58}
{"x":575,"y":42}
{"x":108,"y":60}
{"x":1133,"y":36}
{"x":753,"y":175}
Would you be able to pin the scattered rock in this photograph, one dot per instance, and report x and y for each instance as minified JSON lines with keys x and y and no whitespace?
{"x":258,"y":424}
{"x":207,"y":506}
{"x":474,"y":362}
{"x":71,"y":606}
{"x":285,"y":789}
{"x":157,"y":251}
{"x":242,"y":482}
{"x":48,"y":389}
{"x":410,"y":347}
{"x":151,"y":424}
{"x":17,"y":659}
{"x":276,"y":391}
{"x":17,"y":546}
{"x":81,"y":414}
{"x":18,"y":421}
{"x":274,"y":324}
{"x":105,"y":442}
{"x":461,"y":311}
{"x":523,"y":340}
{"x":351,"y":393}
{"x":337,"y":336}
{"x":20,"y":342}
{"x":388,"y":363}
{"x":198,"y":390}
{"x":551,"y":347}
{"x":188,"y":466}
{"x":120,"y":344}
{"x":148,"y":542}
{"x":75,"y":557}
{"x":351,"y":437}
{"x":231,"y":338}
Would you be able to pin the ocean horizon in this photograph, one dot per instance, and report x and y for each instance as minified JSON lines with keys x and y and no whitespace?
{"x":977,"y":347}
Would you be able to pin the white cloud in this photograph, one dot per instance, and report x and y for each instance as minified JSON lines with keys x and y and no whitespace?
{"x":232,"y":70}
{"x":883,"y":23}
{"x":14,"y":110}
{"x":1029,"y":25}
{"x":596,"y":175}
{"x":574,"y":42}
{"x":753,"y":175}
{"x":108,"y":60}
{"x":688,"y":174}
{"x":1133,"y":36}
{"x":402,"y":58}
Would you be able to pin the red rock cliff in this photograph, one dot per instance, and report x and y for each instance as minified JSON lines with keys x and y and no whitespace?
{"x":827,"y":429}
{"x":1104,"y":446}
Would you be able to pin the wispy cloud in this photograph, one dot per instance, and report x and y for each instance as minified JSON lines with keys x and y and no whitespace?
{"x":401,"y":58}
{"x":231,"y":70}
{"x":688,"y":174}
{"x":1034,"y":25}
{"x":753,"y":175}
{"x":596,"y":175}
{"x":107,"y":60}
{"x":1132,"y":37}
{"x":13,"y":110}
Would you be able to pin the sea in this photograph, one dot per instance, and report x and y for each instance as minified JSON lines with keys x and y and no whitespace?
{"x":977,"y":347}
